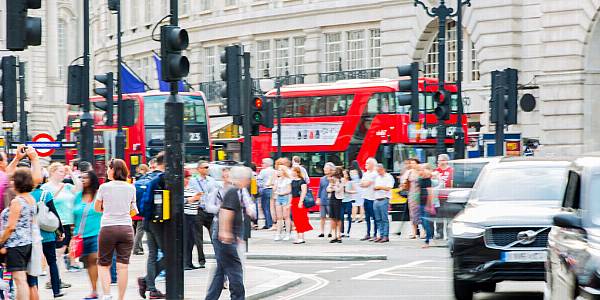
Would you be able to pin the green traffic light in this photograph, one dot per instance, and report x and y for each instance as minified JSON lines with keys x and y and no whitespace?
{"x":258,"y":117}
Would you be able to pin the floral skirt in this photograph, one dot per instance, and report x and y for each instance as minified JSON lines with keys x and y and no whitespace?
{"x":414,"y":208}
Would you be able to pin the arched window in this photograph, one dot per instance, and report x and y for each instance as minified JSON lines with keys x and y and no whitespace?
{"x":470,"y":63}
{"x":62,"y":49}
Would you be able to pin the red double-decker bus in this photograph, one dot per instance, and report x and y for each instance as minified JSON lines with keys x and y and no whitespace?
{"x":354,"y":120}
{"x":145,"y":136}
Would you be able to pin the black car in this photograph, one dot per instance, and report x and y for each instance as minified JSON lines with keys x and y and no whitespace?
{"x":573,"y":266}
{"x":502,"y":232}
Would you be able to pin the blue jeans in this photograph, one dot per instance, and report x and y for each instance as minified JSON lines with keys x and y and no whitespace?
{"x":380,"y":207}
{"x":113,"y":269}
{"x":427,"y":224}
{"x":228,"y":264}
{"x":370,"y":214}
{"x":265,"y":202}
{"x":49,"y":249}
{"x":346,"y":210}
{"x":154,"y":265}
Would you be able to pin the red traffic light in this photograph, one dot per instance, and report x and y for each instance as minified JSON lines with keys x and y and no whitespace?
{"x":258,"y":103}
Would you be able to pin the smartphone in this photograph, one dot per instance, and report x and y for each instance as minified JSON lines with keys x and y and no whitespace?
{"x":24,"y":150}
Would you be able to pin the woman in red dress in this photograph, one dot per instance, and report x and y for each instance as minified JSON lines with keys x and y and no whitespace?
{"x":299,"y":213}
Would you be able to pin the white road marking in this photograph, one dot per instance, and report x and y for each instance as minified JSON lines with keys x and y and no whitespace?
{"x":342,"y":267}
{"x":357,"y":265}
{"x":325,"y":271}
{"x":320,"y":283}
{"x":370,"y":275}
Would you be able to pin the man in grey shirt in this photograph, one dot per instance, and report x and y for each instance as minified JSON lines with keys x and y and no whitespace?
{"x":265,"y":189}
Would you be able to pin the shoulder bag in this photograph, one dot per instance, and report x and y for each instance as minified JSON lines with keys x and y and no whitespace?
{"x":309,"y":199}
{"x":76,"y":244}
{"x":45,"y":218}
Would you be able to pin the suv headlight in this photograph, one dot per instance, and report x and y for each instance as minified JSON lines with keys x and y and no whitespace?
{"x":466,"y":229}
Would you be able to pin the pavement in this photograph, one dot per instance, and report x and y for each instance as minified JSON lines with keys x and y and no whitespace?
{"x":260,"y":282}
{"x":281,"y":270}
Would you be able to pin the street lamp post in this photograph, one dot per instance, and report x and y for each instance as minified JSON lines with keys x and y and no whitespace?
{"x":87,"y":122}
{"x":443,"y":12}
{"x":120,"y":138}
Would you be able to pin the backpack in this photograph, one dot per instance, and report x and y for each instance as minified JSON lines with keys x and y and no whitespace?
{"x":141,"y":185}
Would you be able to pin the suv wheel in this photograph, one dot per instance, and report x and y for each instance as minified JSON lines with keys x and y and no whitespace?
{"x":463,"y":290}
{"x":487,"y":287}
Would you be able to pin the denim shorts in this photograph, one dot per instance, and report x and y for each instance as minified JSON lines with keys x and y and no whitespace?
{"x":90,"y":245}
{"x":283,"y":200}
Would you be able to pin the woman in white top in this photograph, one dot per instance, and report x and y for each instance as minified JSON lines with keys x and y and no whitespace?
{"x":282,"y":190}
{"x":116,"y":200}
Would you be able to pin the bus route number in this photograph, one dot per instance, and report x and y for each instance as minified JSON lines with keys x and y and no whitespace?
{"x":195,"y":137}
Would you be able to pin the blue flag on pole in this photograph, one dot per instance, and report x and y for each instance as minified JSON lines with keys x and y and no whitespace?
{"x":131,"y":82}
{"x":163,"y":85}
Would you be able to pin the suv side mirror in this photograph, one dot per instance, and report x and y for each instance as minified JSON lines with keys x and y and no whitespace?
{"x":460,"y":197}
{"x":568,"y":220}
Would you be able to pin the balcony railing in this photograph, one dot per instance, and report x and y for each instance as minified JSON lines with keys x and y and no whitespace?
{"x":212,"y":90}
{"x":352,"y":74}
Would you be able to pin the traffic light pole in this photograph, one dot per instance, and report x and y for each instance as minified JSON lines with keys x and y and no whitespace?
{"x":245,"y":97}
{"x":443,"y":12}
{"x":87,"y":122}
{"x":120,"y":138}
{"x":173,"y":228}
{"x":23,"y":96}
{"x":459,"y":141}
{"x":498,"y":94}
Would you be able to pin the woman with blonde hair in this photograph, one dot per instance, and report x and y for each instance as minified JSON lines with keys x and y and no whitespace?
{"x":282,"y":190}
{"x":64,"y":199}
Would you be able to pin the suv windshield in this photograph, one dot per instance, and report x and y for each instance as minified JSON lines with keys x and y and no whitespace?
{"x":465,"y":174}
{"x":522,"y":184}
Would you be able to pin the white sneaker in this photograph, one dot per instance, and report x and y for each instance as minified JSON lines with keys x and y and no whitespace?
{"x":277,"y":238}
{"x":108,"y":297}
{"x":287,"y":237}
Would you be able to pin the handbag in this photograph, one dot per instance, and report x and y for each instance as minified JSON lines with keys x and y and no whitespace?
{"x":34,"y":266}
{"x":76,"y":244}
{"x":309,"y":199}
{"x":46,"y":219}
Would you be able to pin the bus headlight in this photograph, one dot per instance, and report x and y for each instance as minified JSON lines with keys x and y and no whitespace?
{"x":468,"y":230}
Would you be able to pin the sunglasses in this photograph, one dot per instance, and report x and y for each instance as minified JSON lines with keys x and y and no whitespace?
{"x":204,"y":167}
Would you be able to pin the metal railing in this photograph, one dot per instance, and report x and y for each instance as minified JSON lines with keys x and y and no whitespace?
{"x":351,"y":74}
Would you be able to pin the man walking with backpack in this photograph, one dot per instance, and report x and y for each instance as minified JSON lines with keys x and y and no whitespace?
{"x":154,"y":233}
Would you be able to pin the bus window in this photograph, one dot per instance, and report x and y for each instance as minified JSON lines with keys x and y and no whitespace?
{"x":315,"y":161}
{"x":336,"y":105}
{"x":154,"y":110}
{"x":382,"y":103}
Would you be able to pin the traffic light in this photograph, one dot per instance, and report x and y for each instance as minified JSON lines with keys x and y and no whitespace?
{"x":108,"y":93}
{"x":8,"y":88}
{"x":504,"y":96}
{"x":409,"y":89}
{"x":442,"y":110}
{"x":512,"y":93}
{"x":21,"y":30}
{"x":74,"y":85}
{"x":232,"y":76}
{"x":257,"y":114}
{"x":173,"y":40}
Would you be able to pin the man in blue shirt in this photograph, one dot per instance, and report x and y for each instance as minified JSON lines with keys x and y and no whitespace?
{"x":204,"y":186}
{"x":323,"y":198}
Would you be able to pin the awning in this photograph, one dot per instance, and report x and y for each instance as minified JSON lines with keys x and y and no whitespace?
{"x":217,"y":124}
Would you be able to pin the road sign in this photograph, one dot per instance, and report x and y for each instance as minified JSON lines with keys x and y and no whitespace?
{"x":44,"y":144}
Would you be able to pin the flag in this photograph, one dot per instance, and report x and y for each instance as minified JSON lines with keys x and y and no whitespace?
{"x":131,"y":82}
{"x":163,"y":85}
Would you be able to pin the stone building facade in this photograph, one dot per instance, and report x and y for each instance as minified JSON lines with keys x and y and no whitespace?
{"x":554,"y":44}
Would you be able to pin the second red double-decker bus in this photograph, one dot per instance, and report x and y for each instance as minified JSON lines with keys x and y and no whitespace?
{"x":354,"y":120}
{"x":146,"y":131}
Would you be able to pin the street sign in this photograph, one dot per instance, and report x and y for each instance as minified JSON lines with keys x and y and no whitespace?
{"x":44,"y":144}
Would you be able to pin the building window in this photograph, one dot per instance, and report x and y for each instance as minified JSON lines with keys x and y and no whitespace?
{"x":475,"y":76}
{"x":148,"y":11}
{"x":356,"y":50}
{"x":375,"y":48}
{"x":263,"y":51}
{"x":134,"y":11}
{"x":470,"y":64}
{"x":62,"y":49}
{"x":282,"y":55}
{"x":184,"y":7}
{"x":299,"y":51}
{"x":209,"y":64}
{"x":333,"y":52}
{"x":231,"y":2}
{"x":206,"y":5}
